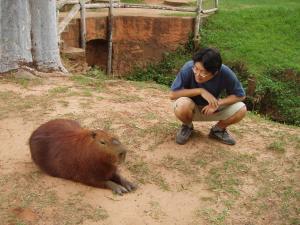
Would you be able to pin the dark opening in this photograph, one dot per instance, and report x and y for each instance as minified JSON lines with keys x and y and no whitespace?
{"x":96,"y":53}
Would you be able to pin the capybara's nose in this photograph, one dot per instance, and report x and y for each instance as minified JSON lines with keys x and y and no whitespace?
{"x":122,"y":156}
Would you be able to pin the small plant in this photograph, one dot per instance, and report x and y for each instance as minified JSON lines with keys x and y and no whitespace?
{"x":277,"y":146}
{"x":59,"y":90}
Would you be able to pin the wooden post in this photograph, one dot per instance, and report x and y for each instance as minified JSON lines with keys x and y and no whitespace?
{"x":251,"y":86}
{"x":197,"y":24}
{"x":216,"y":3}
{"x":82,"y":24}
{"x":110,"y":30}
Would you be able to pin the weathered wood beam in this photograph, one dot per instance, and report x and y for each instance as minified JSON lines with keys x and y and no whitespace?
{"x":63,"y":24}
{"x":61,"y":3}
{"x":197,"y":23}
{"x":110,"y":37}
{"x":82,"y":24}
{"x":217,"y":3}
{"x":209,"y":10}
{"x":143,"y":6}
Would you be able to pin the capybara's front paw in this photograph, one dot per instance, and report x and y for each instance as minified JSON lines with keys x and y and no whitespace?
{"x":116,"y":188}
{"x":129,"y":186}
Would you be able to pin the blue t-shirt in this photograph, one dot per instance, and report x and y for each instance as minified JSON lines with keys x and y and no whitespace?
{"x":224,"y":80}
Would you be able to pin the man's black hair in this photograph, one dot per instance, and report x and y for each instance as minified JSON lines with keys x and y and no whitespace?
{"x":210,"y":59}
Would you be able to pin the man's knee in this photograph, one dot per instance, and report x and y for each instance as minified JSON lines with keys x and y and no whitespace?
{"x":184,"y":107}
{"x":241,"y":113}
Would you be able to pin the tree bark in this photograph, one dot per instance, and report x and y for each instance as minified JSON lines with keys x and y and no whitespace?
{"x":15,"y":44}
{"x":28,"y":35}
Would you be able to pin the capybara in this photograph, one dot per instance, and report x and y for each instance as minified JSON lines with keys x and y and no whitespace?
{"x":62,"y":148}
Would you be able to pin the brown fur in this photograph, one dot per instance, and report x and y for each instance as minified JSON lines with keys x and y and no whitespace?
{"x":63,"y":149}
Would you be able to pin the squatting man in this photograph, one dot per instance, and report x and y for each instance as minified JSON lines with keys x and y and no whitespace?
{"x":197,"y":90}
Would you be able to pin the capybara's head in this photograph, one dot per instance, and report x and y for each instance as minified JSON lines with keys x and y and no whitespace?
{"x":110,"y":144}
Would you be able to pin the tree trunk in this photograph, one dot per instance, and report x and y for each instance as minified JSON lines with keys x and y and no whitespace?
{"x":28,"y":35}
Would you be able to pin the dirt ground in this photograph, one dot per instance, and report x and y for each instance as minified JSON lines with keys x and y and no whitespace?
{"x":256,"y":182}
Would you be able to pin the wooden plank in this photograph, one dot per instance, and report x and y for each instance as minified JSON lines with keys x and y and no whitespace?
{"x":68,"y":18}
{"x":110,"y":30}
{"x":217,"y":3}
{"x":82,"y":24}
{"x":197,"y":23}
{"x":61,"y":3}
{"x":143,"y":6}
{"x":209,"y":10}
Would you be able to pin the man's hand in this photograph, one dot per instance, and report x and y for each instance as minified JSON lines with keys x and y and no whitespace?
{"x":212,"y":101}
{"x":209,"y":110}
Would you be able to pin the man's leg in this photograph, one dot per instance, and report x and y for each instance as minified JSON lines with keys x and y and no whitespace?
{"x":184,"y":110}
{"x":219,"y":131}
{"x":235,"y":118}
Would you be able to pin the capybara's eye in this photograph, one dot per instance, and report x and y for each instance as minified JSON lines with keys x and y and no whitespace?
{"x":102,"y":142}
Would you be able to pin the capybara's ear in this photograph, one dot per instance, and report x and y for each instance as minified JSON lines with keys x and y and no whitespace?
{"x":93,"y":134}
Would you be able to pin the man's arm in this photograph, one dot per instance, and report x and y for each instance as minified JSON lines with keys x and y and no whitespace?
{"x":185,"y":93}
{"x":230,"y":99}
{"x":212,"y":101}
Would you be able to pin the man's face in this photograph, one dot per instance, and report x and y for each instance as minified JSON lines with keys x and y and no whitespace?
{"x":200,"y":73}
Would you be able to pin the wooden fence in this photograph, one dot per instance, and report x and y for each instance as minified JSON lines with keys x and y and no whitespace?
{"x":82,"y":5}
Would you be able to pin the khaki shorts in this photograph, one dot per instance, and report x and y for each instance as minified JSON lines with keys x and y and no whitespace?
{"x":223,"y":113}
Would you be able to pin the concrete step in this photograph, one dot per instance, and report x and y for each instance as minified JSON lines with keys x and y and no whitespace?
{"x":73,"y":53}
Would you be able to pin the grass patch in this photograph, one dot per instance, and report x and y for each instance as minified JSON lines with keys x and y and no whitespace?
{"x":144,"y":174}
{"x":26,"y":191}
{"x":23,"y":82}
{"x":212,"y":216}
{"x":227,"y":175}
{"x":59,"y":90}
{"x":277,"y":146}
{"x":127,"y":99}
{"x":164,"y":71}
{"x":12,"y":104}
{"x":148,"y":85}
{"x":253,"y":40}
{"x":94,"y":78}
{"x":180,"y":165}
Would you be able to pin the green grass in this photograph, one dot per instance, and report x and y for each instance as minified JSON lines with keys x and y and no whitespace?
{"x":173,"y":163}
{"x":163,"y":72}
{"x":23,"y":82}
{"x":94,"y":77}
{"x":277,"y":146}
{"x":59,"y":90}
{"x":144,"y":174}
{"x":260,"y":39}
{"x":257,"y":39}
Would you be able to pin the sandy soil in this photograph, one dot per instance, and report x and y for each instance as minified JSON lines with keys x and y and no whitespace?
{"x":202,"y":182}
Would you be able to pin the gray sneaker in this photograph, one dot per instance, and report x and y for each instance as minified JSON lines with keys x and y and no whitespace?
{"x":221,"y":135}
{"x":184,"y":133}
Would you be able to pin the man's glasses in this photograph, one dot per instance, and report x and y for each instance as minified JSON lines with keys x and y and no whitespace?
{"x":200,"y":72}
